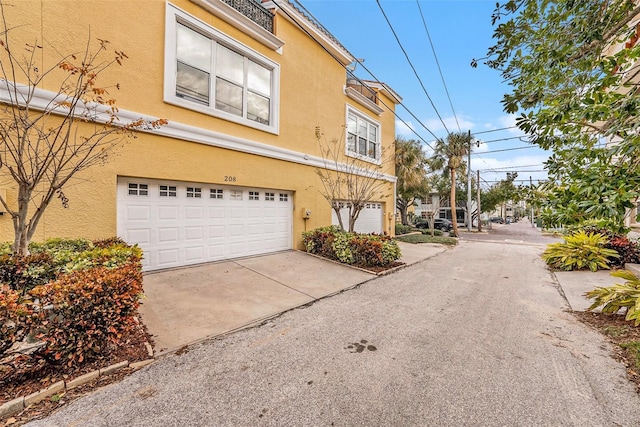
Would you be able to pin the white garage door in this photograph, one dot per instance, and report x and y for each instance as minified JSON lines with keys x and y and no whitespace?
{"x":177,"y":223}
{"x":369,"y":220}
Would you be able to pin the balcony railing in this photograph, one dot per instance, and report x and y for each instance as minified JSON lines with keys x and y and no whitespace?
{"x":253,"y":10}
{"x":366,"y":91}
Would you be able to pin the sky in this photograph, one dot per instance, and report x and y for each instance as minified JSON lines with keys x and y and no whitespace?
{"x":460,"y":30}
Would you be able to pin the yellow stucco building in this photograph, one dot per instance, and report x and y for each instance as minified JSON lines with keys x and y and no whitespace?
{"x":246,"y":87}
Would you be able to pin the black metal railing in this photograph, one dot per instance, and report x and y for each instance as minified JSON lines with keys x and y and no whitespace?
{"x":253,"y":10}
{"x":364,"y":90}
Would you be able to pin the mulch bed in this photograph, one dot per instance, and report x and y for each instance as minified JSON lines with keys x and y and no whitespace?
{"x":619,"y":332}
{"x":25,"y":382}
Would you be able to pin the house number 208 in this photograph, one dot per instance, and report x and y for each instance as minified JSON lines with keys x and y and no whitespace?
{"x":229,"y":179}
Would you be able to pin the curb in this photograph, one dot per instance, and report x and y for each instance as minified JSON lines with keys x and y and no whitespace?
{"x":18,"y":404}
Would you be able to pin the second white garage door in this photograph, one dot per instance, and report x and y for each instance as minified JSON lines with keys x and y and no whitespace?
{"x":177,"y":223}
{"x":369,"y":220}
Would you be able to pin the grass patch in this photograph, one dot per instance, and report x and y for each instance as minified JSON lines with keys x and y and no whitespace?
{"x":423,"y":238}
{"x":633,"y":347}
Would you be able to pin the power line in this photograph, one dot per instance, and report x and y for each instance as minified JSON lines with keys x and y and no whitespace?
{"x":508,"y":149}
{"x":433,"y":49}
{"x":319,"y":25}
{"x":411,"y":65}
{"x":494,"y":130}
{"x":504,"y":139}
{"x":513,"y":167}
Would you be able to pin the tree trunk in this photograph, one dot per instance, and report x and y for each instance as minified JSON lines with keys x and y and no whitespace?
{"x":454,"y":211}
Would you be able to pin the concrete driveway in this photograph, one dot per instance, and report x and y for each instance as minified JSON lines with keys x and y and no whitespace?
{"x":187,"y":305}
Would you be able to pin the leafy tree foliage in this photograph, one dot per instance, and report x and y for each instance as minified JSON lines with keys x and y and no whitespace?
{"x":411,"y":171}
{"x":449,"y":155}
{"x":573,"y":71}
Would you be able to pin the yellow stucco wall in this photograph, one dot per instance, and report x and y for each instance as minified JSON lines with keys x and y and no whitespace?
{"x":311,"y":95}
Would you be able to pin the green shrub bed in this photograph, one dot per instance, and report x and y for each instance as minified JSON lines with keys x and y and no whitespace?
{"x":74,"y":298}
{"x":363,"y":250}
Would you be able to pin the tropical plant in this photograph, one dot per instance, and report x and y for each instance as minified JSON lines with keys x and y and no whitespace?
{"x":579,"y":251}
{"x":411,"y":173}
{"x":614,"y":298}
{"x":449,"y":153}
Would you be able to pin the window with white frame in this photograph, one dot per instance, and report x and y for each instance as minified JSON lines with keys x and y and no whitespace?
{"x":269,"y":196}
{"x":209,"y":72}
{"x":136,"y":189}
{"x":216,"y":193}
{"x":236,"y":194}
{"x":194,"y":192}
{"x":363,"y":137}
{"x":284,"y":197}
{"x":168,"y":191}
{"x":254,"y":195}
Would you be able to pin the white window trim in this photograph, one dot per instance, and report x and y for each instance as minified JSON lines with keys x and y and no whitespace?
{"x":377,"y":161}
{"x":241,"y":22}
{"x":175,"y":15}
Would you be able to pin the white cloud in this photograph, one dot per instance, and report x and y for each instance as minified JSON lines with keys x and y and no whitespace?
{"x":509,"y":121}
{"x":436,"y":125}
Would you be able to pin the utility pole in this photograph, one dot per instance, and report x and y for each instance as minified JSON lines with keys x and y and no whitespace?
{"x":533,"y":224}
{"x":469,"y":213}
{"x":478,"y":198}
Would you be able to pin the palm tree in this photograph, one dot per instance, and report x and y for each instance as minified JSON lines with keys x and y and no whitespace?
{"x":411,"y":173}
{"x":451,"y":152}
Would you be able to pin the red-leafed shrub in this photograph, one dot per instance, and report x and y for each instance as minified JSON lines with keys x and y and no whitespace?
{"x":14,"y":311}
{"x":22,"y":273}
{"x":82,"y":313}
{"x":627,"y":249}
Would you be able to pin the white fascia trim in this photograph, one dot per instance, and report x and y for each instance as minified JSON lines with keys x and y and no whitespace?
{"x":45,"y":100}
{"x":241,"y":22}
{"x":361,"y":99}
{"x":296,"y":18}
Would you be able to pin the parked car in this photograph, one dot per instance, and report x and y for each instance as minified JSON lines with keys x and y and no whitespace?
{"x":497,"y":219}
{"x":438,"y":223}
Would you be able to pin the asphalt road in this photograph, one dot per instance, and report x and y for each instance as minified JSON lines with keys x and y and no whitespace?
{"x":476,"y":336}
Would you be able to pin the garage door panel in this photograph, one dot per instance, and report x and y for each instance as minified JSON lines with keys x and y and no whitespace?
{"x":194,"y":233}
{"x":194,"y":254}
{"x":138,"y":213}
{"x":168,"y":213}
{"x":168,"y":235}
{"x":174,"y":230}
{"x":141,"y":236}
{"x":168,"y":257}
{"x":194,"y":212}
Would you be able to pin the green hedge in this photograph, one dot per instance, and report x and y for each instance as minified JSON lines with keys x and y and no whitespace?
{"x":366,"y":250}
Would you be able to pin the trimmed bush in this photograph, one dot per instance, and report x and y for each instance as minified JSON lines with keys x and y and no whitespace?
{"x":365,"y":250}
{"x":403,"y":229}
{"x":22,"y":273}
{"x":78,"y":297}
{"x":14,"y":311}
{"x":82,"y":313}
{"x":627,"y":249}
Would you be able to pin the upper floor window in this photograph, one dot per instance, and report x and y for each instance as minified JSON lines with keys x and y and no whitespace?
{"x":363,"y":137}
{"x":208,"y":71}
